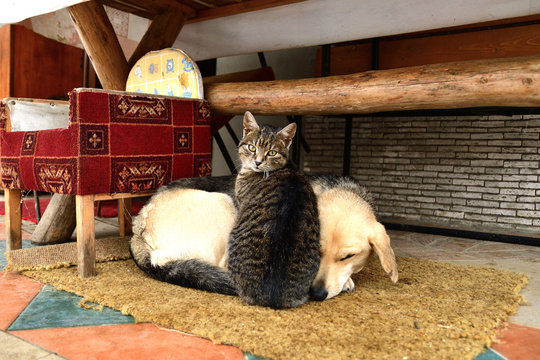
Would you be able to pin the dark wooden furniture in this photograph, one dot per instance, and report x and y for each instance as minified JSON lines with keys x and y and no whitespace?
{"x":33,"y":66}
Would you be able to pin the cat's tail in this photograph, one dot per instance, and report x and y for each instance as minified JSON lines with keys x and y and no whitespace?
{"x":190,"y":273}
{"x":195,"y":274}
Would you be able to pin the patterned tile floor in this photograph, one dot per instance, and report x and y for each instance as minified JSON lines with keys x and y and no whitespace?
{"x":39,"y":322}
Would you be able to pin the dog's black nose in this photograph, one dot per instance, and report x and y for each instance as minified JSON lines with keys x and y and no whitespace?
{"x":318,"y":293}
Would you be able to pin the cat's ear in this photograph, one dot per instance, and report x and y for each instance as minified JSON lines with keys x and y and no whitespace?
{"x":250,"y":124}
{"x":287,"y":134}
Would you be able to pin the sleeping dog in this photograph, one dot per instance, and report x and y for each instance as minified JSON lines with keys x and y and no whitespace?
{"x":180,"y":236}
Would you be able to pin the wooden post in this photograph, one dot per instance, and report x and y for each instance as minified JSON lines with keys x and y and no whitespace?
{"x":161,"y":33}
{"x":101,"y":44}
{"x":86,"y":254}
{"x":499,"y":82}
{"x":12,"y":199}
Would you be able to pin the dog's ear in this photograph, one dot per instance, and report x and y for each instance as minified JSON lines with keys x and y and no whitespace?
{"x":380,"y":241}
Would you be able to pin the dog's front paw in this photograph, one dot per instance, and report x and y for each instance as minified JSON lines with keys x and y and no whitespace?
{"x":348,"y":286}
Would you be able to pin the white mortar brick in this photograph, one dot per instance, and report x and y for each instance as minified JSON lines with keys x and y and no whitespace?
{"x":466,"y":171}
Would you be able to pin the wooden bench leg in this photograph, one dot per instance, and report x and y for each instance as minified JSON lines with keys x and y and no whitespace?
{"x":124,"y":216}
{"x":12,"y":201}
{"x":86,"y":251}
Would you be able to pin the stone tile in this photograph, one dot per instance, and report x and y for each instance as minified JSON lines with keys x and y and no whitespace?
{"x":518,"y":342}
{"x":15,"y":348}
{"x":17,"y":292}
{"x":489,"y":354}
{"x":412,"y":237}
{"x":503,"y":254}
{"x":442,"y":255}
{"x":124,"y":342}
{"x":406,"y":244}
{"x":52,"y":308}
{"x":492,"y":246}
{"x":452,"y":245}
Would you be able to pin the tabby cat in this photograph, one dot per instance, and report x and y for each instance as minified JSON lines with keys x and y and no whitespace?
{"x":273,"y":249}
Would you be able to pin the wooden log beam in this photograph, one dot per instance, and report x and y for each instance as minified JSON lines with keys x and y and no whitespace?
{"x":161,"y":33}
{"x":101,"y":44}
{"x":264,"y":73}
{"x":499,"y":82}
{"x":53,"y":228}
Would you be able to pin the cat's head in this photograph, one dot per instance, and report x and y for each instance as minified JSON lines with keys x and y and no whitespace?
{"x":263,"y":148}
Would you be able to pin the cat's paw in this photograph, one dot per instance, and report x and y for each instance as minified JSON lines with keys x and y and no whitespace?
{"x":348,"y":286}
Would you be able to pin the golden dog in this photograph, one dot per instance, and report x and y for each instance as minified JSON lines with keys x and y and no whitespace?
{"x":181,"y":234}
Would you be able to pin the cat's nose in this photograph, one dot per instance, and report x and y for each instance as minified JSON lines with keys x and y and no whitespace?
{"x":258,"y":162}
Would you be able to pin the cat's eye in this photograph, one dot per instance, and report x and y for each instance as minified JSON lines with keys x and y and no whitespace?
{"x":272,"y":153}
{"x":346,"y":257}
{"x":251,"y":148}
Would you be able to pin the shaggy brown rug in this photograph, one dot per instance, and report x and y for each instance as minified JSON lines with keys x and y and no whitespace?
{"x":436,"y":310}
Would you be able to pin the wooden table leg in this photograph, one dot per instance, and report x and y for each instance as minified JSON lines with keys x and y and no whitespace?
{"x":124,"y":216}
{"x":12,"y":199}
{"x":86,"y":251}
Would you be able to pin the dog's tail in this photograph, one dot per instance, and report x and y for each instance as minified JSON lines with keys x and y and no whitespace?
{"x":190,"y":273}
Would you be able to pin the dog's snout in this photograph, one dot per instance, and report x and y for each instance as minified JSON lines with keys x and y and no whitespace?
{"x":318,"y":293}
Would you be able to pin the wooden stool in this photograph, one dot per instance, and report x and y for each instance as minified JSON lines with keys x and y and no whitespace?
{"x":101,"y":145}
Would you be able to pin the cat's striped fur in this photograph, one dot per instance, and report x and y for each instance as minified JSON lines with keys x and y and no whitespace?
{"x":273,"y":249}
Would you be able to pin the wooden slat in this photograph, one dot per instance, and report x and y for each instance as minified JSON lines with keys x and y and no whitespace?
{"x":101,"y":44}
{"x":489,"y":40}
{"x":12,"y":198}
{"x":500,"y":82}
{"x":238,"y":8}
{"x":86,"y":253}
{"x":101,"y":197}
{"x":195,"y":10}
{"x":162,"y":33}
{"x":261,"y":74}
{"x":149,"y":9}
{"x":485,"y":44}
{"x":124,"y":215}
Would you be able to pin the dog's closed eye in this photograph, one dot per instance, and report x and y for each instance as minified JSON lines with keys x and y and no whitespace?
{"x":346,"y":257}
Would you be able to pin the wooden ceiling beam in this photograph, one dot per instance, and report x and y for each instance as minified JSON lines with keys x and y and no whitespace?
{"x":101,"y":44}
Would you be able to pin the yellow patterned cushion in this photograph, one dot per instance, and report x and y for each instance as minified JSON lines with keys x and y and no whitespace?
{"x":166,"y":72}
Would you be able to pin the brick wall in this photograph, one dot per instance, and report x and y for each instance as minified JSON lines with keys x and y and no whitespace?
{"x":474,"y":172}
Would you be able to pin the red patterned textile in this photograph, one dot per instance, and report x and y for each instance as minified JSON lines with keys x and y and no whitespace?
{"x":115,"y":142}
